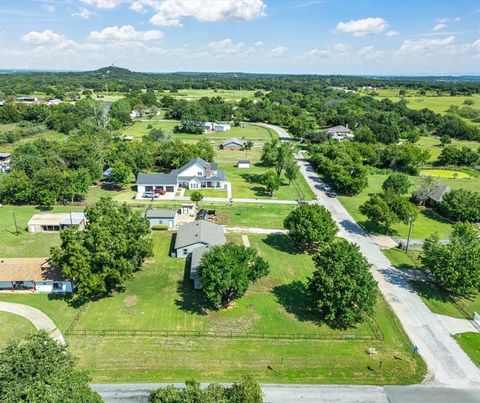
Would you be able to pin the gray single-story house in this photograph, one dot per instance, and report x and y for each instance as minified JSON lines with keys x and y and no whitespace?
{"x":435,"y":197}
{"x":162,"y":216}
{"x":195,"y":234}
{"x":339,"y":133}
{"x":197,"y":255}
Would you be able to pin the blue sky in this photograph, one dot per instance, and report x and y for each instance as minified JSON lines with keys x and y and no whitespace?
{"x":279,"y":36}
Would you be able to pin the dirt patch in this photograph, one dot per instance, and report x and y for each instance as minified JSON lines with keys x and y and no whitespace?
{"x":130,"y":301}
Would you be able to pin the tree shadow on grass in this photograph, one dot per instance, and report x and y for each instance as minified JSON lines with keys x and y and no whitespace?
{"x":189,"y":300}
{"x":373,"y":228}
{"x":294,"y":298}
{"x":430,"y":291}
{"x":282,"y":243}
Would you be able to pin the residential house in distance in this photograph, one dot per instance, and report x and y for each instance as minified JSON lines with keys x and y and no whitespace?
{"x":32,"y":274}
{"x":435,"y":196}
{"x":27,"y":100}
{"x":243,"y":164}
{"x":5,"y":162}
{"x":2,"y":102}
{"x":208,"y":126}
{"x":233,"y":144}
{"x":339,"y":133}
{"x":194,"y":239}
{"x":54,"y":222}
{"x":135,"y":114}
{"x":164,"y":216}
{"x":222,"y":127}
{"x":196,"y":174}
{"x":54,"y":102}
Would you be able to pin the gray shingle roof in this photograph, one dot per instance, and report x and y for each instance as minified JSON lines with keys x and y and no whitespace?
{"x":199,"y":231}
{"x":338,"y":129}
{"x":197,"y":254}
{"x":438,"y":192}
{"x":160,"y":213}
{"x":156,"y":179}
{"x":234,"y":141}
{"x":73,"y":219}
{"x":197,"y":160}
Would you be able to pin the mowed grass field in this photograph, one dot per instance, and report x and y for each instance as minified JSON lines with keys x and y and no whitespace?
{"x":438,"y":104}
{"x":26,"y":244}
{"x":434,"y":146}
{"x":13,"y":326}
{"x":227,"y":95}
{"x":161,"y":298}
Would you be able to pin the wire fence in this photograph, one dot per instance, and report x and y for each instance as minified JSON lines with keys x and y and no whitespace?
{"x":215,"y":334}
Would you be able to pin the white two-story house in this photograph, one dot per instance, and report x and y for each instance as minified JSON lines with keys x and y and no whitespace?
{"x":196,"y":174}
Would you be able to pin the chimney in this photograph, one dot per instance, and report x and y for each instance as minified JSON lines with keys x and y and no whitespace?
{"x":208,"y":170}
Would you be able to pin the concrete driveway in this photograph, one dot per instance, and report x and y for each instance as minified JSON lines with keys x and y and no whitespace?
{"x":37,"y":317}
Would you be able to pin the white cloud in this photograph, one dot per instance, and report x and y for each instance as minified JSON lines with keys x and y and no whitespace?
{"x":48,"y":38}
{"x":476,"y":44}
{"x":104,"y":3}
{"x":125,"y":33}
{"x":392,"y":33}
{"x":171,"y":12}
{"x":370,"y":53}
{"x":259,"y":44}
{"x":226,"y":46}
{"x":83,"y":13}
{"x":439,"y":26}
{"x":337,"y":50}
{"x":363,"y":27}
{"x":278,"y":51}
{"x":49,"y":7}
{"x":427,"y":45}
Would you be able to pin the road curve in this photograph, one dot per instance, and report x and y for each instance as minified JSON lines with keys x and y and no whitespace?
{"x":37,"y":317}
{"x":446,"y":361}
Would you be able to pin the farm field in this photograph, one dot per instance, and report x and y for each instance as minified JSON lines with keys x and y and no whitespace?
{"x":13,"y":326}
{"x":161,"y":298}
{"x":47,"y":135}
{"x":227,"y":95}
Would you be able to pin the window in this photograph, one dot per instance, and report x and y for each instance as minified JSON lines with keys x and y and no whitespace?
{"x":185,"y":252}
{"x":57,"y":286}
{"x":199,"y":173}
{"x":148,"y":188}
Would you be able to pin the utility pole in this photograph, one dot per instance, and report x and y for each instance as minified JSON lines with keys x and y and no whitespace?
{"x":410,"y":221}
{"x":15,"y":221}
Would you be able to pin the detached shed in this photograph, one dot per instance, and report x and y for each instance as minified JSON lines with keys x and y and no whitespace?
{"x":243,"y":164}
{"x":163,"y":216}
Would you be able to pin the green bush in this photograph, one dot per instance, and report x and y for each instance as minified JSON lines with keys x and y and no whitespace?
{"x":162,"y":227}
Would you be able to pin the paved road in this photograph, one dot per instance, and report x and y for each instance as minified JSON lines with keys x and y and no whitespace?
{"x":447,"y":362}
{"x":37,"y":317}
{"x":126,"y":393}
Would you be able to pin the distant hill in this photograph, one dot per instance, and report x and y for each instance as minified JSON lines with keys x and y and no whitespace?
{"x":113,"y":71}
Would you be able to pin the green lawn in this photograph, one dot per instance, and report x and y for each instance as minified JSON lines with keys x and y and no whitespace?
{"x":252,"y":132}
{"x":227,"y":95}
{"x":26,"y":244}
{"x":426,"y":223}
{"x":445,"y":174}
{"x":438,"y":104}
{"x":470,"y":342}
{"x":161,"y":297}
{"x":433,"y":145}
{"x":12,"y":327}
{"x":436,"y":299}
{"x":47,"y":135}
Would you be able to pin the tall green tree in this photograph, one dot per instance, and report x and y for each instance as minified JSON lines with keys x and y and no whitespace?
{"x":111,"y":248}
{"x":227,"y":270}
{"x":120,"y":174}
{"x":342,"y":289}
{"x":397,"y":182}
{"x":271,"y":181}
{"x":196,"y":197}
{"x":310,"y":227}
{"x":291,"y":171}
{"x":378,"y":211}
{"x":456,"y":265}
{"x":37,"y":369}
